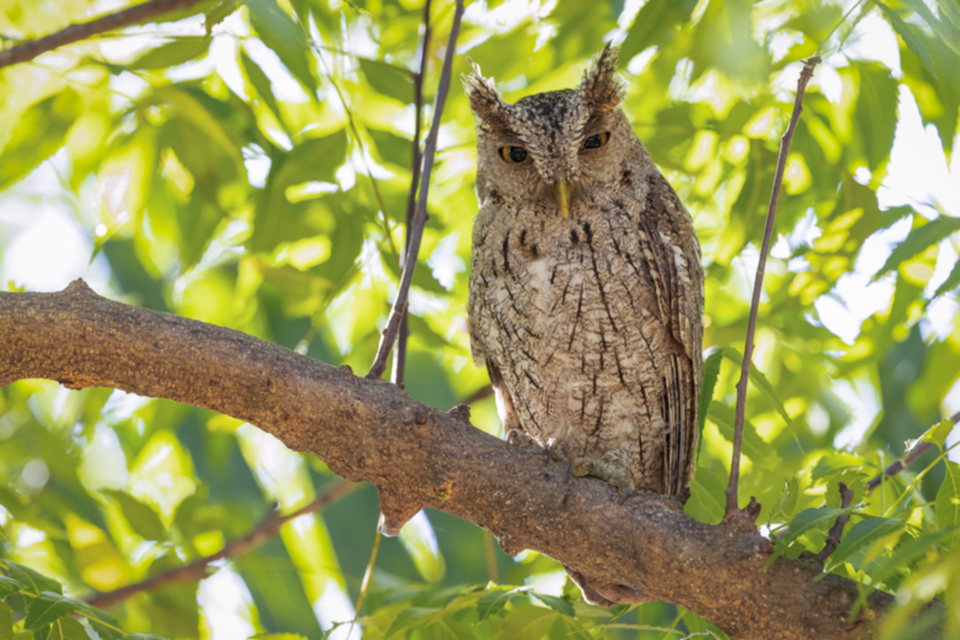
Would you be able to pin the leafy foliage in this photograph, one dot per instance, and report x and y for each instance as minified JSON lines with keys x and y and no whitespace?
{"x":247,"y":164}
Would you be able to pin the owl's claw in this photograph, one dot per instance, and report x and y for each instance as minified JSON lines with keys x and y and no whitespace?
{"x":582,"y":467}
{"x":554,"y":452}
{"x":518,"y":438}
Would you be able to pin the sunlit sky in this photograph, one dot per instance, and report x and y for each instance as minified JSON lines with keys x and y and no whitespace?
{"x":44,"y":246}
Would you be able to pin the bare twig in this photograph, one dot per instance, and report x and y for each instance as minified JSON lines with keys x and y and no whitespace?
{"x":198,"y":569}
{"x":389,"y":333}
{"x":898,"y":466}
{"x":80,"y":31}
{"x":400,"y":357}
{"x":833,"y":538}
{"x":731,"y":490}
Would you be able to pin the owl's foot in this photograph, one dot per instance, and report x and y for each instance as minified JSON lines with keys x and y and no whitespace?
{"x":553,"y":450}
{"x":605,"y":471}
{"x":518,"y":438}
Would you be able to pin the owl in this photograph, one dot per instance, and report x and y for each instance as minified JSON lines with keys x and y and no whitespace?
{"x":586,"y":288}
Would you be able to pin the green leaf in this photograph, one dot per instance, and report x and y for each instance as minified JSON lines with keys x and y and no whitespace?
{"x":656,"y":21}
{"x":388,"y":79}
{"x":876,"y":113}
{"x":103,"y":623}
{"x":494,"y":600}
{"x":527,"y":622}
{"x":950,"y":34}
{"x":277,"y":636}
{"x":807,"y":520}
{"x":392,"y":147}
{"x":219,"y":13}
{"x":557,"y":604}
{"x":261,"y":83}
{"x":67,"y":628}
{"x":760,"y":382}
{"x":913,"y":41}
{"x":951,"y":283}
{"x":183,"y":49}
{"x":882,"y":568}
{"x":861,"y":536}
{"x":948,"y":498}
{"x":409,"y":617}
{"x":918,"y":240}
{"x":144,"y":521}
{"x":711,"y":371}
{"x":287,"y":39}
{"x":48,"y":607}
{"x":754,"y":447}
{"x":40,"y":132}
{"x":788,"y":498}
{"x":8,"y":585}
{"x":938,"y":433}
{"x":32,"y":580}
{"x":143,"y":636}
{"x":6,"y":621}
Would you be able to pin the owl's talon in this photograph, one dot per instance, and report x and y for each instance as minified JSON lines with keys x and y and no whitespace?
{"x":554,"y":452}
{"x":518,"y":438}
{"x":583,"y":467}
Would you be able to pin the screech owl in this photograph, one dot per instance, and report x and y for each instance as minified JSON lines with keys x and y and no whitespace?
{"x":586,"y":289}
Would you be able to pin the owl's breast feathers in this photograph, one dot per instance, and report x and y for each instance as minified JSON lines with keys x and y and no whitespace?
{"x":591,"y":326}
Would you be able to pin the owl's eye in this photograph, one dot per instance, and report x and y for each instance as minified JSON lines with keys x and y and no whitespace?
{"x":597,"y":140}
{"x":513,"y":155}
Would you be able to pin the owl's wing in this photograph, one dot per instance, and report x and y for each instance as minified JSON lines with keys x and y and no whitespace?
{"x":672,"y":255}
{"x":481,"y":320}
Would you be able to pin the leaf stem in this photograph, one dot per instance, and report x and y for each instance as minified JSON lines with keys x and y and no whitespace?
{"x":731,"y":490}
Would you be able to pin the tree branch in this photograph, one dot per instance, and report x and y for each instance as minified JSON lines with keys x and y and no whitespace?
{"x":833,"y":538}
{"x":732,"y":487}
{"x":898,"y":466}
{"x":198,"y":569}
{"x":80,"y":31}
{"x":389,"y":334}
{"x":400,"y":357}
{"x":421,"y":457}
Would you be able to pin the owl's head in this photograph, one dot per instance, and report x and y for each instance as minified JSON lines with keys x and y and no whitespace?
{"x":561,"y":141}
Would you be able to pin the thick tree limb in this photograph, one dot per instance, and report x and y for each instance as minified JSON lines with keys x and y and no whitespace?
{"x":137,"y":14}
{"x":200,"y":568}
{"x":420,"y":457}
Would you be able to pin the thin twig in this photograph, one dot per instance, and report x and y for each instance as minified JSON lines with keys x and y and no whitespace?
{"x":389,"y":333}
{"x":80,"y":31}
{"x":197,"y":570}
{"x":400,"y":357}
{"x":833,"y":538}
{"x":898,"y":466}
{"x":731,"y":490}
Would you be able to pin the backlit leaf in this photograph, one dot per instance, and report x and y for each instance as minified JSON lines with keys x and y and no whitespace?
{"x":141,"y":516}
{"x":40,"y":131}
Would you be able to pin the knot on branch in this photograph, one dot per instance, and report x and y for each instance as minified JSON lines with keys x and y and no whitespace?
{"x":396,"y":510}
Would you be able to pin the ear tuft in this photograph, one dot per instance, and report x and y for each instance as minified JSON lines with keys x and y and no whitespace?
{"x":486,"y":102}
{"x":602,"y":88}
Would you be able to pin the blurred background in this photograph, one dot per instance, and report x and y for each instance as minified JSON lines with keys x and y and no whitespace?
{"x":248,"y":164}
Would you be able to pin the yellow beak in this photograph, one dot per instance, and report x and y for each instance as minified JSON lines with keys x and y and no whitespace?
{"x":563,"y":197}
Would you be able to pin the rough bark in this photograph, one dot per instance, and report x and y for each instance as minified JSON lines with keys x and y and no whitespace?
{"x":370,"y":430}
